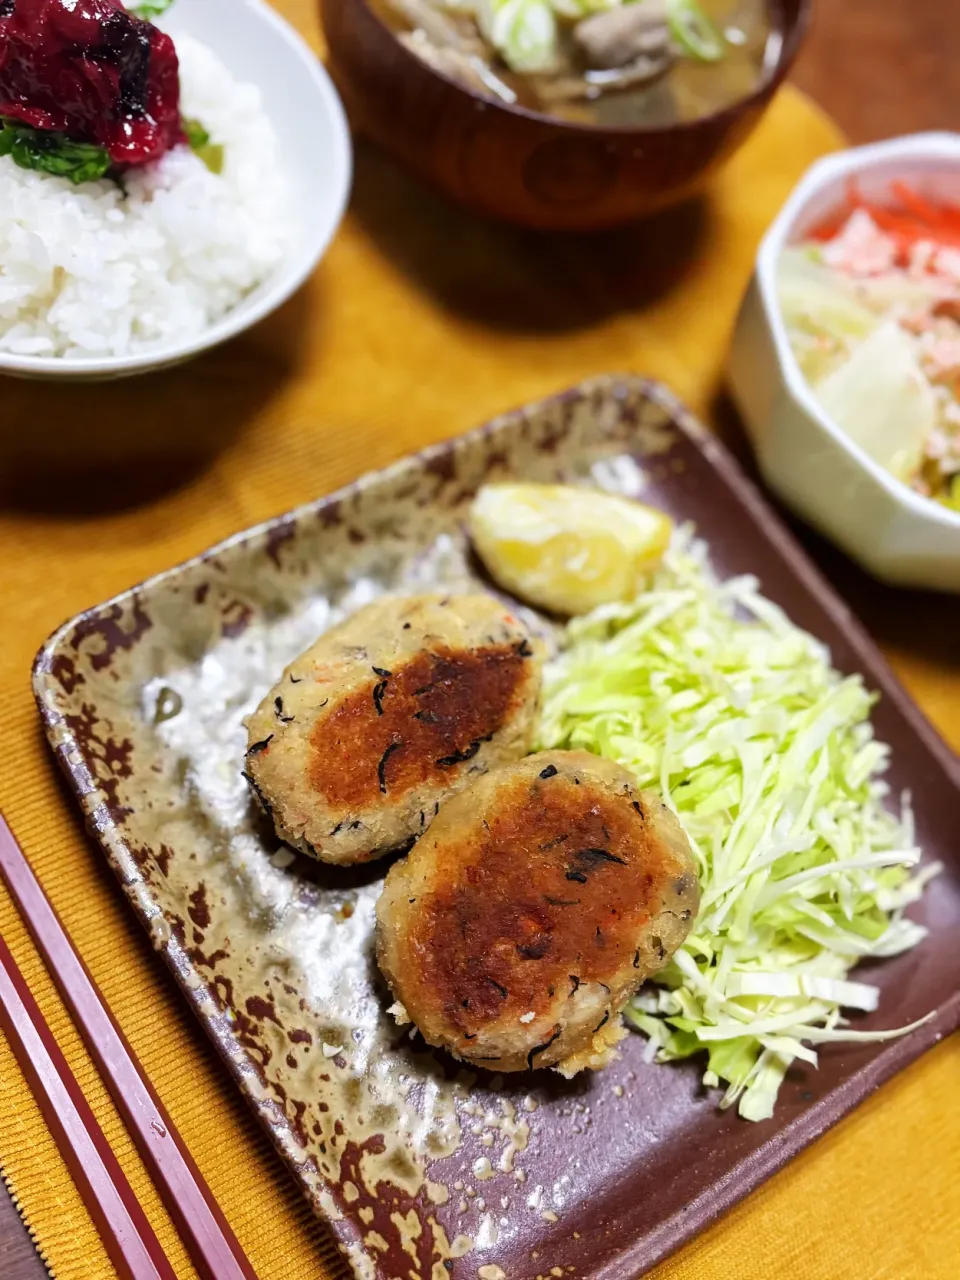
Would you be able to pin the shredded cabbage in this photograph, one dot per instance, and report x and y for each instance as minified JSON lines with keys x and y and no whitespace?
{"x":735,"y":716}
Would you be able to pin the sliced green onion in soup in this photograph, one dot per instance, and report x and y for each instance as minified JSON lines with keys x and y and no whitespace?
{"x":696,"y":35}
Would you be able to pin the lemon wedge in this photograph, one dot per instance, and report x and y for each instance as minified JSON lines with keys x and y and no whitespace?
{"x":566,"y":549}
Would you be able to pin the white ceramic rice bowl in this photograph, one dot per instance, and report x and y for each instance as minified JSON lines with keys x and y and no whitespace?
{"x":257,"y":46}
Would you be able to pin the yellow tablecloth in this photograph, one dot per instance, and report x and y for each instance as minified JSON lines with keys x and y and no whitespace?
{"x":419,"y":324}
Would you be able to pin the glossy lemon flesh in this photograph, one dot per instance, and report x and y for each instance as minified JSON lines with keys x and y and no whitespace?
{"x":567,"y":549}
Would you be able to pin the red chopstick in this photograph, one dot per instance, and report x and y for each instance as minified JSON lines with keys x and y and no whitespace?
{"x":128,"y":1237}
{"x":215,"y":1251}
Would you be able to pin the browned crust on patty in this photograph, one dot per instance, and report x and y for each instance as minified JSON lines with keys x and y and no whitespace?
{"x":545,"y":893}
{"x":388,"y":714}
{"x":519,"y":915}
{"x":415,"y":723}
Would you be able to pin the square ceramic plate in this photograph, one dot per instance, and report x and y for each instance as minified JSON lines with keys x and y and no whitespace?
{"x":422,"y":1169}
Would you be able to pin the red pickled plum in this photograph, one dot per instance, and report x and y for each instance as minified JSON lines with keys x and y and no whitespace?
{"x":89,"y":69}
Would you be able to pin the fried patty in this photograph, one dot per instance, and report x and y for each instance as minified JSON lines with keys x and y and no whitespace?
{"x":388,"y":715}
{"x":536,"y":904}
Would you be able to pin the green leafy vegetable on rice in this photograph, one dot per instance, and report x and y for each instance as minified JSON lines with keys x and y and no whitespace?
{"x":211,"y":153}
{"x":82,"y":161}
{"x":150,"y":9}
{"x":52,"y":153}
{"x":737,"y":719}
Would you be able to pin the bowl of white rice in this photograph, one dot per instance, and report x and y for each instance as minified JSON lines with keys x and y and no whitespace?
{"x":108,"y":278}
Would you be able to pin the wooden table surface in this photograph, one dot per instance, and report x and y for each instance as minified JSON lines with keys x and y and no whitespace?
{"x":879,"y":67}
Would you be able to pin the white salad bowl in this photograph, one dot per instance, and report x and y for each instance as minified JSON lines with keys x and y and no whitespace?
{"x":815,"y":467}
{"x":259,"y":48}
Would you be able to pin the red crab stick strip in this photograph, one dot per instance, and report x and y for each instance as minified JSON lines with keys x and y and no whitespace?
{"x":215,"y":1251}
{"x":917,"y":219}
{"x":933,"y":215}
{"x":128,"y":1237}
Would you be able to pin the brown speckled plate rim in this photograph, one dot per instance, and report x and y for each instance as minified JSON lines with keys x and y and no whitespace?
{"x":640,"y":1253}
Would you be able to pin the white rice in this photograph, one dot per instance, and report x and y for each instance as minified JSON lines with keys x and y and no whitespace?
{"x":89,"y":271}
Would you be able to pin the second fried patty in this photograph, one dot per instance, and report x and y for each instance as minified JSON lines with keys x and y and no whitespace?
{"x":388,"y":714}
{"x":534,"y":907}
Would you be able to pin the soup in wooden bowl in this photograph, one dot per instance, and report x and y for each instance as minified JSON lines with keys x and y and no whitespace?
{"x":561,"y":114}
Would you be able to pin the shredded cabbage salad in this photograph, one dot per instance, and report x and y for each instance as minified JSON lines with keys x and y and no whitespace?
{"x":874,"y":324}
{"x":735,"y":716}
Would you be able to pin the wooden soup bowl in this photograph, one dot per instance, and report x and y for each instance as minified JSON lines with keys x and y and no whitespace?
{"x":522,"y":167}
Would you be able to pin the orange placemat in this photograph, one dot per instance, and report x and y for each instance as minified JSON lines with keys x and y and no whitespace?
{"x":420,"y":323}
